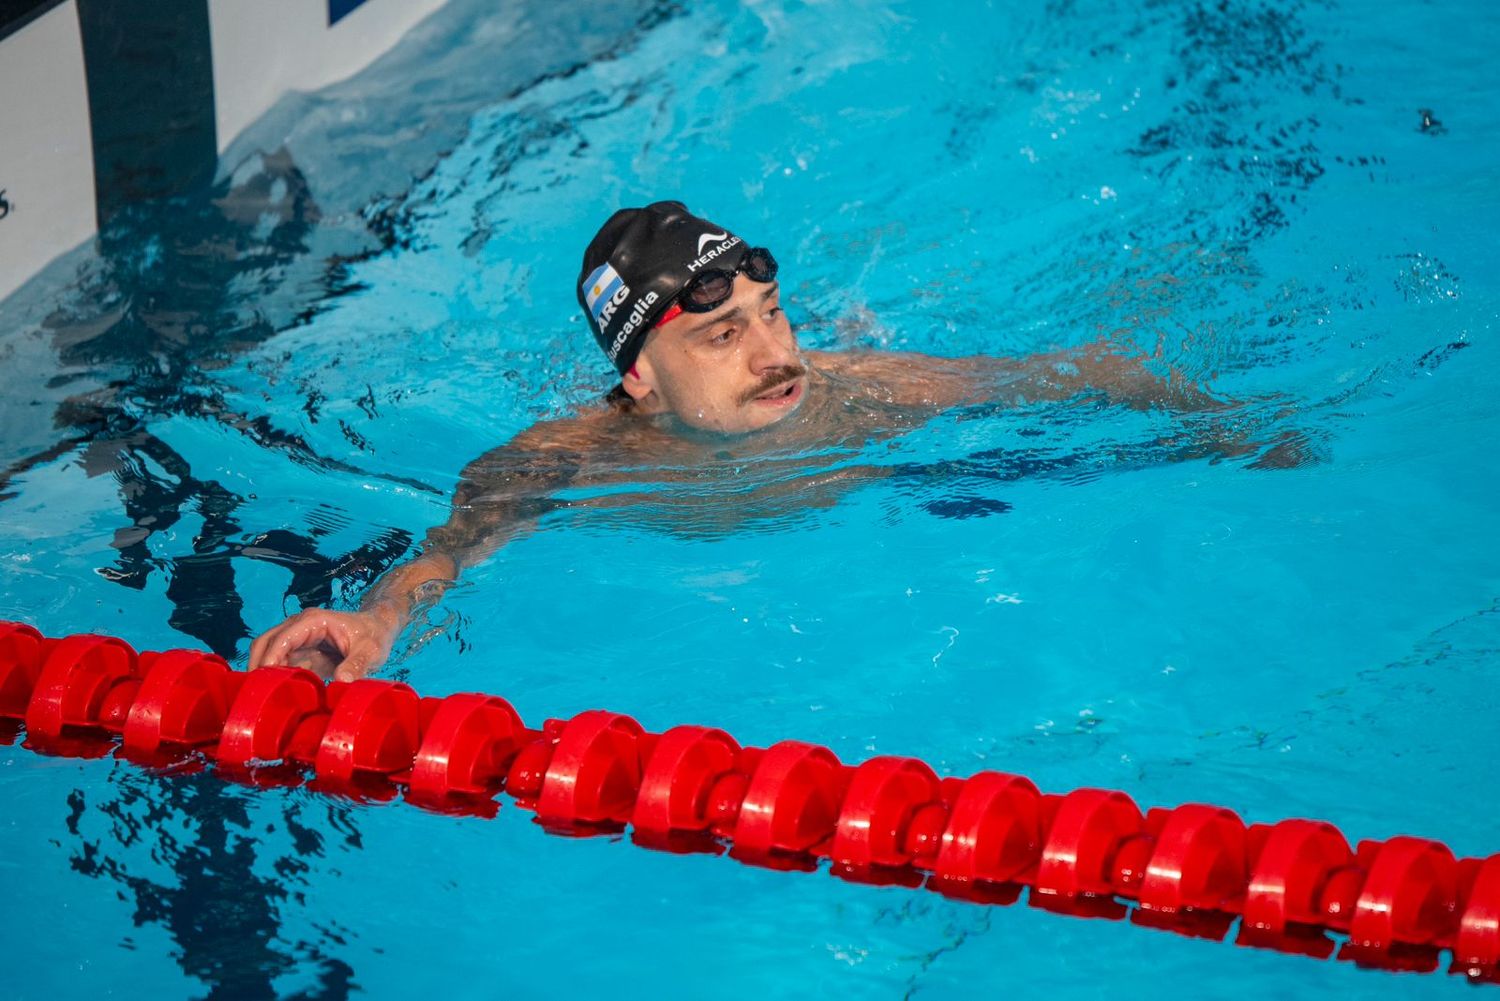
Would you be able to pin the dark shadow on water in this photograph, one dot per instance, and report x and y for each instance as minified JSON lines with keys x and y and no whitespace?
{"x":221,"y":902}
{"x":156,"y":312}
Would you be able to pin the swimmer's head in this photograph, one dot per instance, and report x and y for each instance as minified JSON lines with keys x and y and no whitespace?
{"x":691,"y":319}
{"x":637,"y":265}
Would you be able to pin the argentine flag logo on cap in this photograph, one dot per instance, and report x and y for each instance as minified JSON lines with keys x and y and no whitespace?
{"x":600,"y":287}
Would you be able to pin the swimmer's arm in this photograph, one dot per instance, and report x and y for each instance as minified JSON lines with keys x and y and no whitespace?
{"x":399,"y":594}
{"x":1122,"y":378}
{"x":1098,"y":370}
{"x":500,"y":496}
{"x":912,"y":379}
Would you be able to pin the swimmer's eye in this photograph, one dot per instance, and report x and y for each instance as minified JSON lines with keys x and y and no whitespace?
{"x":722,"y":337}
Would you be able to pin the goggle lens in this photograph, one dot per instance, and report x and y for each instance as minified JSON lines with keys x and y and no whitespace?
{"x":709,"y":290}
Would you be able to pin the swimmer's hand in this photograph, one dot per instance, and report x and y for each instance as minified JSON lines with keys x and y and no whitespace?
{"x":337,"y":646}
{"x":345,"y":646}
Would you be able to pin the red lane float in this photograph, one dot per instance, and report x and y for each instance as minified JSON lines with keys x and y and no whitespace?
{"x":75,"y":684}
{"x":1193,"y":869}
{"x":182,"y":701}
{"x":1088,"y":831}
{"x":468,"y":740}
{"x":992,"y":831}
{"x":594,"y":773}
{"x":270,"y":706}
{"x":372,"y":731}
{"x":676,"y":790}
{"x":21,"y":651}
{"x":884,"y":797}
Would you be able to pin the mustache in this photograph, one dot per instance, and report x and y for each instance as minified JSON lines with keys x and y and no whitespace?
{"x":773,"y":378}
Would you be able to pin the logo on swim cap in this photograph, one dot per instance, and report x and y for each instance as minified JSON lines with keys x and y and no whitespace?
{"x":603,"y":291}
{"x":708,"y":238}
{"x":632,"y":323}
{"x":705,"y":256}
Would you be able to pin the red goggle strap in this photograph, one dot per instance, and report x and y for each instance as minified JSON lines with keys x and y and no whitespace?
{"x":673,"y":311}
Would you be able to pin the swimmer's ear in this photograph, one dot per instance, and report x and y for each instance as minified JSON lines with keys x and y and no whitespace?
{"x":639,"y":380}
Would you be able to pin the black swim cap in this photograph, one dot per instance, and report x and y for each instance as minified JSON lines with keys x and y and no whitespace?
{"x":638,"y":261}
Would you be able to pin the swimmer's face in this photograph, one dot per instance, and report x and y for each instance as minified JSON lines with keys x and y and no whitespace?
{"x":733,"y":370}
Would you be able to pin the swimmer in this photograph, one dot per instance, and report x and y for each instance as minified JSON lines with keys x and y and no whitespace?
{"x":711,"y":378}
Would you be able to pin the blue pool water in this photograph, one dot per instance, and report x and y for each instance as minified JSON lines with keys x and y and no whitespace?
{"x":260,"y":397}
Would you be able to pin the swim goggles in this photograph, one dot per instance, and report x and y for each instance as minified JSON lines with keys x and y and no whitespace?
{"x":709,"y":289}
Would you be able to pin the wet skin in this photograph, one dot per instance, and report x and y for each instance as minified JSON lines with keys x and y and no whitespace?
{"x":709,"y":393}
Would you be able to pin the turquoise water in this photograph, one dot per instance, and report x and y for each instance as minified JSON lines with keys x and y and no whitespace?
{"x":240,"y":402}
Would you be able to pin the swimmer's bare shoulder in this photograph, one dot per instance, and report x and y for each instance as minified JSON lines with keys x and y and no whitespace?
{"x":565,"y":450}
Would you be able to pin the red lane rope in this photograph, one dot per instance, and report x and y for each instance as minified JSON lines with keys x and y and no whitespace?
{"x":1194,"y":869}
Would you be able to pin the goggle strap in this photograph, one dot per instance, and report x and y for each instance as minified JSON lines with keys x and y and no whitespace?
{"x":672,"y":312}
{"x":675,"y":310}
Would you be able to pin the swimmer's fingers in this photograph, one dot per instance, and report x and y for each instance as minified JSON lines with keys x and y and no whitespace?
{"x":353,"y":668}
{"x":341,"y":645}
{"x":307,"y":629}
{"x":319,"y":660}
{"x":261,"y":649}
{"x":257,"y":649}
{"x":1289,"y":450}
{"x":365,"y":654}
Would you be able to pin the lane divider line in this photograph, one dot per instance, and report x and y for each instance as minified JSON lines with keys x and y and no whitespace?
{"x":1194,"y":869}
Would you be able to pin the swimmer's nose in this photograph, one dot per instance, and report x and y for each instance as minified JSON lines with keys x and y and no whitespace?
{"x":769,"y":347}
